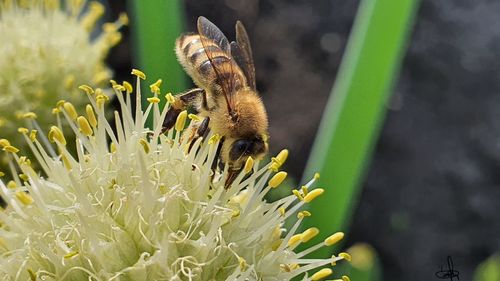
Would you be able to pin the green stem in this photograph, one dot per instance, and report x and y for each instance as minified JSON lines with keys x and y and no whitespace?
{"x":155,"y":26}
{"x":356,"y":108}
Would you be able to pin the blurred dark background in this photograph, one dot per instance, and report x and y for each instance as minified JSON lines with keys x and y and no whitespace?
{"x":433,"y":186}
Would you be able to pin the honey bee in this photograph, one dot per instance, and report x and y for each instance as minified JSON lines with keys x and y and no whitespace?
{"x":227,"y":98}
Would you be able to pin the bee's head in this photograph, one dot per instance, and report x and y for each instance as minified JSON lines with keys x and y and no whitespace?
{"x":236,"y":151}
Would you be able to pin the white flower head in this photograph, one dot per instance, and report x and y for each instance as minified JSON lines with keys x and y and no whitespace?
{"x":47,"y":48}
{"x":136,"y":204}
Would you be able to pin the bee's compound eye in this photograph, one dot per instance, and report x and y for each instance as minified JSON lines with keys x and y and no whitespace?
{"x":239,"y":148}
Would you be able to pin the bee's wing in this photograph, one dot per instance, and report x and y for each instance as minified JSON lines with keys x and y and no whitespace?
{"x":242,"y":53}
{"x":209,"y":34}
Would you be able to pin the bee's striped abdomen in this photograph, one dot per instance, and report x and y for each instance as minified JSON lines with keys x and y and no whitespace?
{"x":193,"y":56}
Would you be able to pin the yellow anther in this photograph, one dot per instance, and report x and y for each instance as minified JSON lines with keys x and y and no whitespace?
{"x":24,"y":197}
{"x":55,"y":110}
{"x":334,"y":238}
{"x":96,"y":10}
{"x":248,"y":165}
{"x":240,"y":198}
{"x":23,"y":160}
{"x":284,"y":267}
{"x":40,"y":94}
{"x":345,"y":256}
{"x":29,"y":115}
{"x":2,"y":174}
{"x":99,"y":92}
{"x":87,"y":89}
{"x":112,"y":147}
{"x":289,"y":267}
{"x":100,"y":101}
{"x":119,"y":88}
{"x":316,"y":176}
{"x":66,"y":162}
{"x":194,"y":117}
{"x":214,"y":139}
{"x":23,"y":130}
{"x":10,"y":148}
{"x":69,"y":81}
{"x":24,"y":177}
{"x":282,"y":156}
{"x":4,"y":143}
{"x":313,"y":194}
{"x":90,"y":115}
{"x":11,"y":184}
{"x":123,"y":18}
{"x":113,"y":83}
{"x":294,"y":266}
{"x":276,"y":244}
{"x":276,"y":232}
{"x":323,"y":273}
{"x":128,"y":87}
{"x":139,"y":73}
{"x":56,"y":134}
{"x":170,"y":98}
{"x":100,"y":77}
{"x":95,"y":6}
{"x":109,"y":27}
{"x":153,"y":100}
{"x":309,"y":234}
{"x":277,"y":179}
{"x":297,"y":194}
{"x":71,"y":254}
{"x":33,"y":135}
{"x":51,"y":4}
{"x":84,"y":126}
{"x":235,"y":213}
{"x":155,"y":87}
{"x":181,"y":121}
{"x":70,"y":109}
{"x":243,"y":263}
{"x":279,"y":160}
{"x":60,"y":103}
{"x":282,"y":211}
{"x":294,"y":240}
{"x":145,"y":145}
{"x":113,"y":38}
{"x":304,"y":190}
{"x":345,"y":278}
{"x":303,"y":214}
{"x":333,"y":263}
{"x":32,"y":274}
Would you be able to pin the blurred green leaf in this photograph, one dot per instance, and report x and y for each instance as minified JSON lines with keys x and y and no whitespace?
{"x":488,"y":270}
{"x":356,"y":109}
{"x":155,"y":26}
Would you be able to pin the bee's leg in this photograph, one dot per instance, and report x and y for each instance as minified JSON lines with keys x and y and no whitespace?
{"x":192,"y":97}
{"x":202,"y":131}
{"x":217,"y":160}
